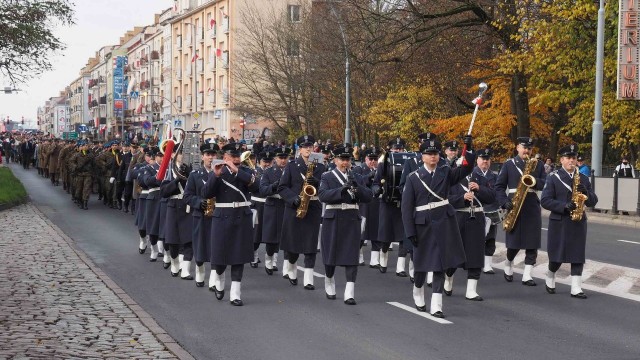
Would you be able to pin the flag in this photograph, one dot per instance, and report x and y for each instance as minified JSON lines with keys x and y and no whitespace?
{"x":223,"y":13}
{"x":212,"y":23}
{"x":175,"y":5}
{"x":218,"y":52}
{"x":477,"y":101}
{"x":139,"y":109}
{"x":195,"y":57}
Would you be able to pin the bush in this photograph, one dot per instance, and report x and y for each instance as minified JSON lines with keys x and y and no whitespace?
{"x":11,"y":189}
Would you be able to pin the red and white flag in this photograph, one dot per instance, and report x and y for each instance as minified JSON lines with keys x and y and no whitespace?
{"x":139,"y":109}
{"x":212,"y":23}
{"x":218,"y":52}
{"x":195,"y":57}
{"x":477,"y":101}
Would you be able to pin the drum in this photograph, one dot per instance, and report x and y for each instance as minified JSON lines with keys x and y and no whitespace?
{"x":496,"y":216}
{"x":393,"y":165}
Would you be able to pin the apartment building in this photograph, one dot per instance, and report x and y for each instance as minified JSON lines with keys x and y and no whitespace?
{"x":79,"y":100}
{"x":97,"y":86}
{"x":204,"y":44}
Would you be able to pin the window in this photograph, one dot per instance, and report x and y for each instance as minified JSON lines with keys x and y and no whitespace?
{"x":293,"y":48}
{"x":294,"y":13}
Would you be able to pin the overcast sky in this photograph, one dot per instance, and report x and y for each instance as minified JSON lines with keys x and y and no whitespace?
{"x":98,"y":23}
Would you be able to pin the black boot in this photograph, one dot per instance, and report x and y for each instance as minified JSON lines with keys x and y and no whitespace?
{"x":84,"y":205}
{"x":119,"y":204}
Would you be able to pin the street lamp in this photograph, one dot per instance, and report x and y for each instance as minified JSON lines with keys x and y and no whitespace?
{"x":194,"y":73}
{"x":596,"y":132}
{"x":347,"y":129}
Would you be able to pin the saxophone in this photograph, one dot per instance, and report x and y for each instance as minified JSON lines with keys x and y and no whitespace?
{"x":307,"y":192}
{"x":578,"y":198}
{"x":527,"y":181}
{"x":211,"y":203}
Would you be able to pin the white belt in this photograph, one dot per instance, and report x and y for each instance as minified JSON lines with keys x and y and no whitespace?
{"x":476,"y":209}
{"x":233,"y":204}
{"x":342,"y":206}
{"x":154,"y":189}
{"x":276,"y":196}
{"x":179,"y":196}
{"x":513,"y":191}
{"x":144,"y":192}
{"x":314,"y":198}
{"x":433,"y":205}
{"x":258,"y":199}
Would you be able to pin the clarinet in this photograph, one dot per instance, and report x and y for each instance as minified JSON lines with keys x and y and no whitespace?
{"x":472,"y":207}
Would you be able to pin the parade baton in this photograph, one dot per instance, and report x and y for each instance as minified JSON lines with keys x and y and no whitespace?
{"x":477,"y":101}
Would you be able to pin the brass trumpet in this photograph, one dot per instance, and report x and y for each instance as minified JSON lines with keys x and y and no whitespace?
{"x":245,"y":159}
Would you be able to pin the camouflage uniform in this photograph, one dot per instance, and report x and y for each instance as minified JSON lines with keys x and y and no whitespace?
{"x":82,"y":165}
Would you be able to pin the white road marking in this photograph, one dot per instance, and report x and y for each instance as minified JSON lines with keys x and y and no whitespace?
{"x":630,"y":242}
{"x":419,"y":313}
{"x":314,"y":273}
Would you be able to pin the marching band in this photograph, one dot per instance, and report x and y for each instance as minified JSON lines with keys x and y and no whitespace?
{"x":443,"y":210}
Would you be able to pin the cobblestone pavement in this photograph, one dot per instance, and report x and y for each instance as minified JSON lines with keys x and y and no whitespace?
{"x":54,"y":305}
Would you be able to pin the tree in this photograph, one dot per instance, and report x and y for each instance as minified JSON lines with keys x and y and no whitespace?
{"x":26,"y":36}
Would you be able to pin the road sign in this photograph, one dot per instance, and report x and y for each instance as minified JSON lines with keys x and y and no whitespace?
{"x":134,"y":94}
{"x":196,"y":116}
{"x":146,"y":125}
{"x":69,"y":135}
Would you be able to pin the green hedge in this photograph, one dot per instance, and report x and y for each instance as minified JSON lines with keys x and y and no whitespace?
{"x":11,"y":189}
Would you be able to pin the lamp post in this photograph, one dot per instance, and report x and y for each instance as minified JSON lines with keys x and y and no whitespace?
{"x":596,"y":132}
{"x":195,"y":72}
{"x":347,"y":86}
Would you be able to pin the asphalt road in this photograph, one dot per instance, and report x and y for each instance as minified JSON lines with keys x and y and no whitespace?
{"x":280,"y":321}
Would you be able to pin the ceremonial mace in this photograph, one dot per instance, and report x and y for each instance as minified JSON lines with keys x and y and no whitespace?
{"x":477,"y":101}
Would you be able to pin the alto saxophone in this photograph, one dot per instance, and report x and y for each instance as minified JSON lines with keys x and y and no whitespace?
{"x":578,"y":198}
{"x":527,"y":181}
{"x":307,"y":192}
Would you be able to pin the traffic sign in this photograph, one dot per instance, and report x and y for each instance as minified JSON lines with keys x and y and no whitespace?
{"x":196,"y":116}
{"x":69,"y":135}
{"x":134,"y":94}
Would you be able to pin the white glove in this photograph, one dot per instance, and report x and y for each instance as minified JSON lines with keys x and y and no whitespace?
{"x":111,"y":180}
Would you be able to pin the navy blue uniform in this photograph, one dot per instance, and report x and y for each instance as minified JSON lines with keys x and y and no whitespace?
{"x":201,"y":232}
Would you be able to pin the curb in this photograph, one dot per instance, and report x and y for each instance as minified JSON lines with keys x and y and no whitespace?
{"x":17,"y":202}
{"x":170,"y":343}
{"x":596,"y":217}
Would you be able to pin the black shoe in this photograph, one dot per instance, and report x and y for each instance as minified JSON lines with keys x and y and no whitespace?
{"x":382,"y":269}
{"x":142,"y":251}
{"x":361,"y":264}
{"x":374,"y":266}
{"x":351,"y":301}
{"x":219,"y":294}
{"x":401,"y":274}
{"x":153,"y":260}
{"x":330,"y":297}
{"x":421,"y":308}
{"x":254,"y":265}
{"x":268,"y":271}
{"x":285,"y":276}
{"x":580,"y":295}
{"x":174,"y":274}
{"x":412,"y":280}
{"x":429,"y":284}
{"x":166,"y":265}
{"x":529,"y":283}
{"x":119,"y":206}
{"x":448,"y":293}
{"x":99,"y":197}
{"x":236,"y":302}
{"x":274,"y":268}
{"x":490,"y":272}
{"x":309,"y":287}
{"x":293,"y":281}
{"x":438,"y":314}
{"x":509,"y":278}
{"x":477,"y":298}
{"x":190,"y":277}
{"x":85,"y":205}
{"x":550,"y":290}
{"x":200,"y":284}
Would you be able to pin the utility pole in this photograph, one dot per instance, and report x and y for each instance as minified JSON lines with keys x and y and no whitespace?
{"x":596,"y":132}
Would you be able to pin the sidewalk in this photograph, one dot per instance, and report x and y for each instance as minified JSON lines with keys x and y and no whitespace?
{"x":57,"y":304}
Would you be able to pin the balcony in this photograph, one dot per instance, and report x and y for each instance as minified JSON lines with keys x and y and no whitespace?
{"x":144,"y":84}
{"x":178,"y":102}
{"x":155,"y":81}
{"x":179,"y":42}
{"x":144,"y":59}
{"x":200,"y":66}
{"x":155,"y":56}
{"x":187,"y":102}
{"x":156,"y":107}
{"x":187,"y":70}
{"x":212,"y":33}
{"x":225,"y":24}
{"x":189,"y":41}
{"x":211,"y":65}
{"x":225,"y":60}
{"x":200,"y":35}
{"x":178,"y":74}
{"x":201,"y":100}
{"x":101,"y":80}
{"x":225,"y":96}
{"x":211,"y":97}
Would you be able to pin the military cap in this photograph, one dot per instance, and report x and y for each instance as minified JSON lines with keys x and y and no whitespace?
{"x":232,"y":149}
{"x":266,"y":155}
{"x":306,"y":140}
{"x":430,"y":147}
{"x":569,"y":150}
{"x":209,"y":147}
{"x":282,"y":152}
{"x":485,"y":153}
{"x":343,"y":151}
{"x":372,"y":153}
{"x":396,"y":143}
{"x":452,"y":145}
{"x":525,"y":141}
{"x":580,"y":157}
{"x":427,"y":136}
